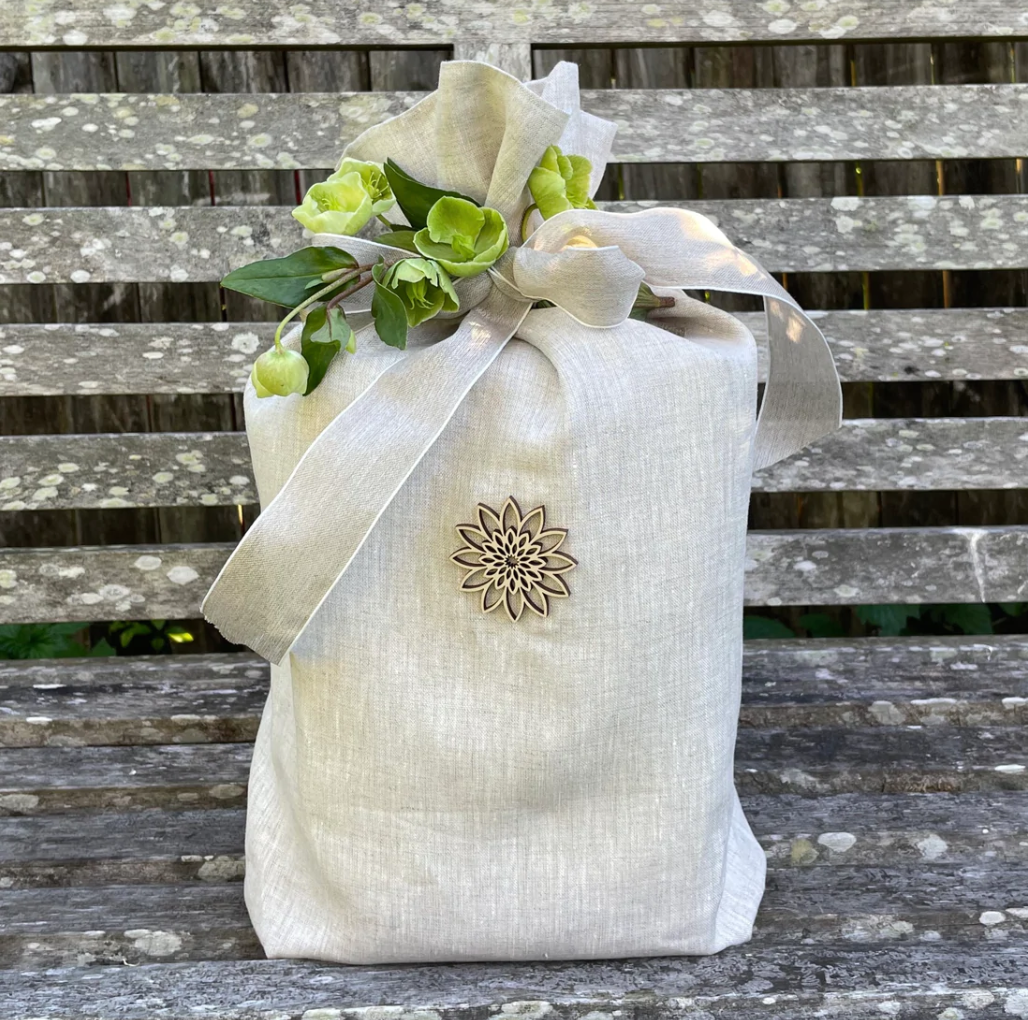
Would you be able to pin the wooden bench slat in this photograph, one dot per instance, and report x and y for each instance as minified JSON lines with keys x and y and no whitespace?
{"x":762,"y":981}
{"x":44,"y":359}
{"x":814,"y":761}
{"x":820,"y":567}
{"x":323,"y":23}
{"x":185,"y":243}
{"x":218,"y":698}
{"x":154,"y":846}
{"x":145,"y":131}
{"x":142,"y":923}
{"x":213,"y":468}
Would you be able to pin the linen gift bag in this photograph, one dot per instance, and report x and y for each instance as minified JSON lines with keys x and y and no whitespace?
{"x":553,"y":778}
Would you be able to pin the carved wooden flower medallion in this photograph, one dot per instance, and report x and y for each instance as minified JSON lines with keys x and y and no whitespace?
{"x":512,"y":559}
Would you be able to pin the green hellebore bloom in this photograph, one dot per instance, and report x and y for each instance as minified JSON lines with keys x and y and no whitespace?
{"x":464,"y":239}
{"x":374,"y":180}
{"x":340,"y":206}
{"x":423,"y":288}
{"x":277,"y":373}
{"x":560,"y":183}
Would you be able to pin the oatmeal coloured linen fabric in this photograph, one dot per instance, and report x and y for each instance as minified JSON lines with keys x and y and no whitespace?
{"x":434,"y":782}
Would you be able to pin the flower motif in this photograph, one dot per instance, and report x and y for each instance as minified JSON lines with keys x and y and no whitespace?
{"x":560,"y":183}
{"x":512,"y":559}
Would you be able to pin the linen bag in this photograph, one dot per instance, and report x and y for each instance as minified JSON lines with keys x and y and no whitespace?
{"x":434,"y":782}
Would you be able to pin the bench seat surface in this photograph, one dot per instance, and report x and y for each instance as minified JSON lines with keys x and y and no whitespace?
{"x":885,"y":778}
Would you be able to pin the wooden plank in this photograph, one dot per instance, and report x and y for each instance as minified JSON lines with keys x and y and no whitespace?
{"x":906,"y":565}
{"x":154,"y":846}
{"x":143,"y":923}
{"x":820,"y":567}
{"x":184,"y":244}
{"x":121,"y":470}
{"x":812,"y":762}
{"x":289,"y":131}
{"x":38,"y":359}
{"x":218,"y":698}
{"x":322,"y":23}
{"x":213,"y":468}
{"x":852,"y":980}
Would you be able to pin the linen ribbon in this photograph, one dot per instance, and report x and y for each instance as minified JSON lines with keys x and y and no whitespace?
{"x":481,"y":133}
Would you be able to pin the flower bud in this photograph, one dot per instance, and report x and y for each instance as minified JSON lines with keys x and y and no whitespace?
{"x":279,"y":373}
{"x":560,"y":183}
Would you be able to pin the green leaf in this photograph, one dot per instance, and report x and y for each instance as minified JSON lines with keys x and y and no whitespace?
{"x":890,"y":621}
{"x":400,"y":238}
{"x":40,"y":640}
{"x":755,"y":627}
{"x":101,"y":648}
{"x":285,"y":281}
{"x":1013,"y":608}
{"x":821,"y":625}
{"x":413,"y":197}
{"x":322,"y":338}
{"x":388,"y":311}
{"x":966,"y":619}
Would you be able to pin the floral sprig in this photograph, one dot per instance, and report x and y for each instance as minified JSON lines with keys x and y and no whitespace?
{"x":448,"y":235}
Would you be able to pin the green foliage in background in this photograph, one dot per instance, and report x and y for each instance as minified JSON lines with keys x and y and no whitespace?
{"x":145,"y":637}
{"x":47,"y":641}
{"x":899,"y":621}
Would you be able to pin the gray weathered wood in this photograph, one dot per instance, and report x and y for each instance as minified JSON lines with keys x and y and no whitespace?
{"x":143,"y":923}
{"x":906,"y":565}
{"x":218,"y":698}
{"x":119,"y":470}
{"x":181,"y":244}
{"x":853,"y":980}
{"x":146,"y":131}
{"x":213,"y":468}
{"x":815,"y":761}
{"x":151,"y":845}
{"x":822,"y":567}
{"x":177,"y":357}
{"x":252,"y":23}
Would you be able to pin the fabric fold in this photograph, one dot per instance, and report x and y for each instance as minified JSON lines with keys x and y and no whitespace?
{"x":344,"y":483}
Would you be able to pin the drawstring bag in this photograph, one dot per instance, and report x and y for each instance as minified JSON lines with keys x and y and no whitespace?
{"x":499,"y":575}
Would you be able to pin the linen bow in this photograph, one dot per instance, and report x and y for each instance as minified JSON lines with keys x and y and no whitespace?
{"x":481,"y":133}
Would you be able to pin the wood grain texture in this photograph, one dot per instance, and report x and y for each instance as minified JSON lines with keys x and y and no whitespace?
{"x":213,"y":468}
{"x":142,"y":923}
{"x":182,"y":244}
{"x":809,"y":761}
{"x":218,"y":698}
{"x":153,"y":846}
{"x":253,"y":23}
{"x":290,"y":131}
{"x":42,"y":359}
{"x":855,"y":980}
{"x":820,"y":567}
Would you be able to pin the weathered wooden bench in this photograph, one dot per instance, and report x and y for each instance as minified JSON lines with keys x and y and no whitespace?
{"x":886,"y":777}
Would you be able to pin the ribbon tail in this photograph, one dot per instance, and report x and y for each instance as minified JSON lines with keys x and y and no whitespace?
{"x":263,"y":598}
{"x":684,"y":250}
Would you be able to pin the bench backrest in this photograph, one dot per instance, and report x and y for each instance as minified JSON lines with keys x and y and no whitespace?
{"x":145,"y":150}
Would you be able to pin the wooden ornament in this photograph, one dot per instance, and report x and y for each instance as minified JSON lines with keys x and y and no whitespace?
{"x":513,"y":560}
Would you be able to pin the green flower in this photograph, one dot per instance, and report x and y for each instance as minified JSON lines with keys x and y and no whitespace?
{"x":279,"y":372}
{"x":340,"y":205}
{"x":464,"y":239}
{"x":374,"y":180}
{"x":560,"y":183}
{"x":423,"y":288}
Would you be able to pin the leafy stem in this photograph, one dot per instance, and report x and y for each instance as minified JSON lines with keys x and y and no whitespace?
{"x":340,"y":281}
